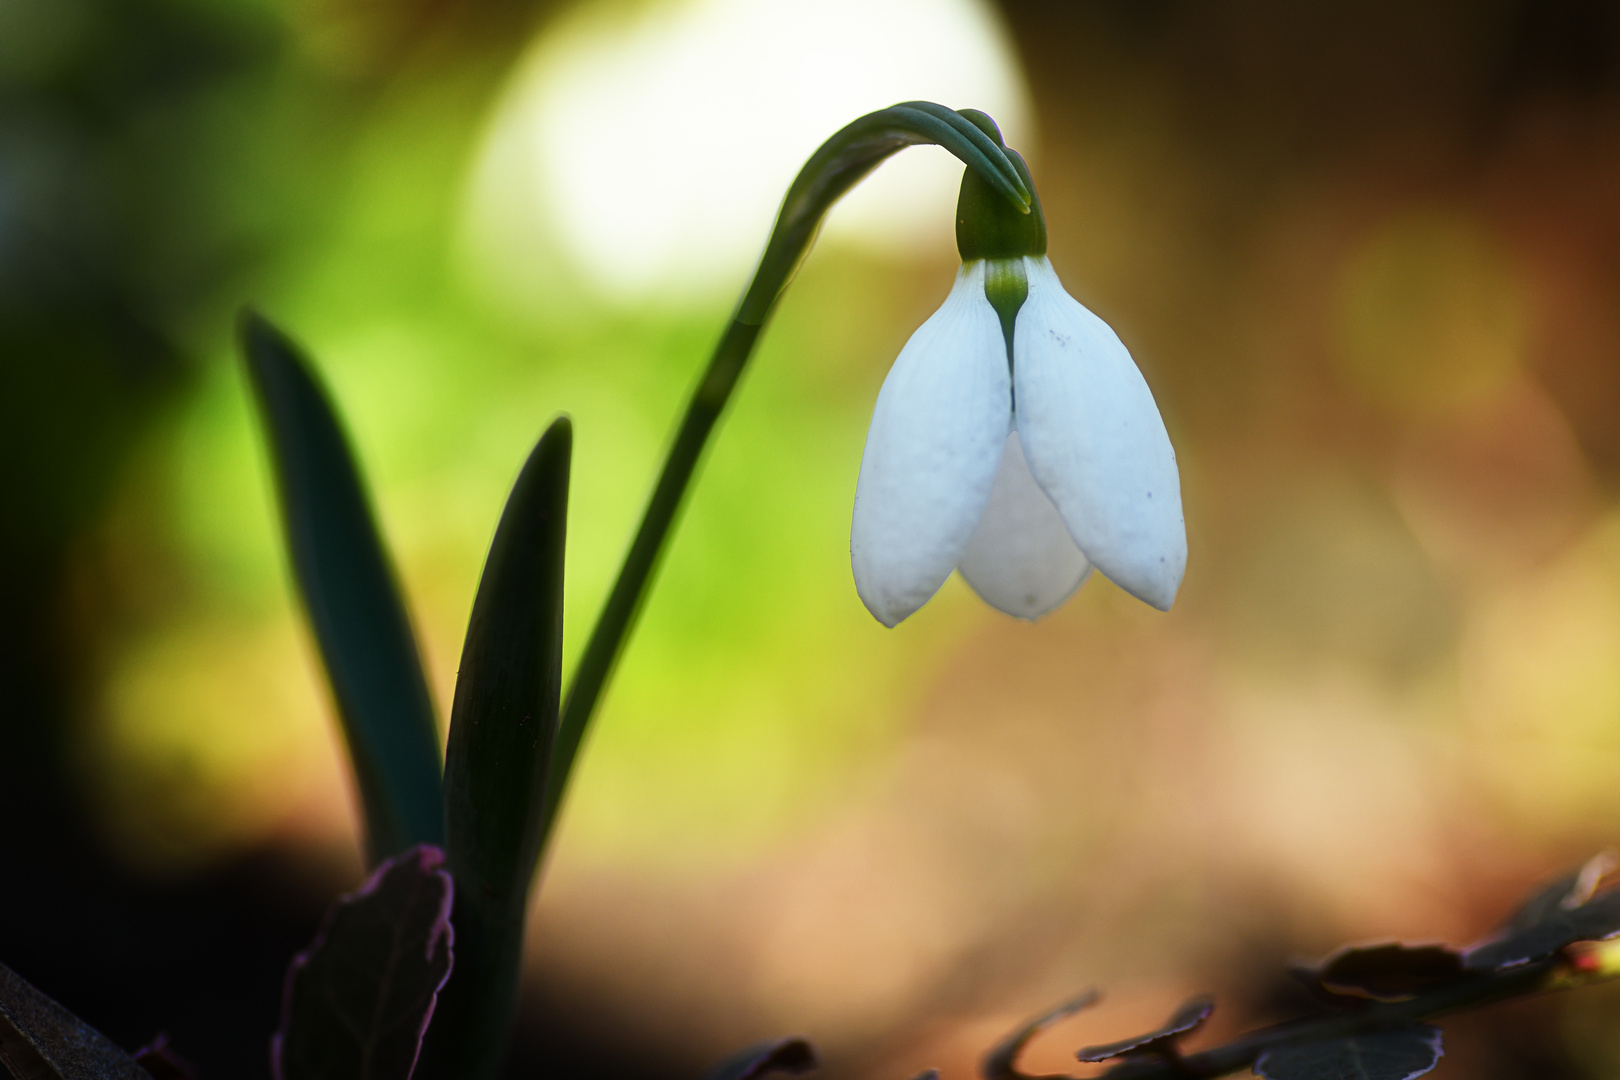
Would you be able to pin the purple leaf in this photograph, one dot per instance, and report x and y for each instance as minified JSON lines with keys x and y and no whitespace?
{"x":1390,"y":971}
{"x":1001,"y":1063}
{"x":774,"y":1056}
{"x":1561,"y":914}
{"x":1397,"y":1054}
{"x":40,"y":1040}
{"x":358,"y":1000}
{"x":1186,"y":1018}
{"x":1563,"y":894}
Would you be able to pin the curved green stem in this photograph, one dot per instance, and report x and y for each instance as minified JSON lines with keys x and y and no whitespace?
{"x":837,"y":166}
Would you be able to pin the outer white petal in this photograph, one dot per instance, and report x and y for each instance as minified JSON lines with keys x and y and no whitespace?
{"x":1095,"y":441}
{"x":931,"y":453}
{"x":1021,"y":559}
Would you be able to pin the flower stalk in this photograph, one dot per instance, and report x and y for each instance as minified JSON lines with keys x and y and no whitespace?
{"x":836,"y":167}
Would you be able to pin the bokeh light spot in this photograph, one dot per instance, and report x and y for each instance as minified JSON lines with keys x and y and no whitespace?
{"x":1541,"y":689}
{"x":653,"y":148}
{"x":1429,"y":314}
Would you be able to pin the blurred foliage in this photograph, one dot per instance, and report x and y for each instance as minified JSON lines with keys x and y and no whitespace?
{"x":1367,"y":256}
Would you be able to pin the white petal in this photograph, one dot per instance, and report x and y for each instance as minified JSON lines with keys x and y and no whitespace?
{"x":1021,"y":559}
{"x":931,"y":454}
{"x":1095,"y":441}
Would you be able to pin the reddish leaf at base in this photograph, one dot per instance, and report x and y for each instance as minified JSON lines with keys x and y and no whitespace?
{"x":359,"y":999}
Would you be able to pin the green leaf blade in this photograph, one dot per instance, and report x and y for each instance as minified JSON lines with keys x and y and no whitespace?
{"x":354,"y":605}
{"x":502,"y":727}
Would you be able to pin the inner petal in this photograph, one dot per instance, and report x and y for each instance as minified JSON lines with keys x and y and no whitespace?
{"x":1021,"y":558}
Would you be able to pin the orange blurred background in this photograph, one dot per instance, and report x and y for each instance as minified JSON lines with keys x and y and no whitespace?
{"x":1367,"y":256}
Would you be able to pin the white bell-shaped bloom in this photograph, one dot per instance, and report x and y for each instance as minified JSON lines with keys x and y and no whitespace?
{"x":1022,"y":479}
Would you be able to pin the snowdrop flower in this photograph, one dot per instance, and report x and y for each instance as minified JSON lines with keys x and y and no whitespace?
{"x":1014,"y":440}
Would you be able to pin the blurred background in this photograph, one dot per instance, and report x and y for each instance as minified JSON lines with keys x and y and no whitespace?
{"x":1367,"y":255}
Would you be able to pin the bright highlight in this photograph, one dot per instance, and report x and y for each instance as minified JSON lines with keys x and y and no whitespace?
{"x":652,"y":151}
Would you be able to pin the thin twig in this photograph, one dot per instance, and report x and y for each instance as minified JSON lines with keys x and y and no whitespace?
{"x":1243,"y":1051}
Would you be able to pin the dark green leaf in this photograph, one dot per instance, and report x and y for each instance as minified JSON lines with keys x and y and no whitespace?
{"x":1001,"y":1063}
{"x":1399,"y":1054}
{"x":501,"y":731}
{"x":354,"y":606}
{"x":774,"y":1056}
{"x":40,"y":1040}
{"x":359,"y":998}
{"x":1186,"y":1018}
{"x":1390,"y":971}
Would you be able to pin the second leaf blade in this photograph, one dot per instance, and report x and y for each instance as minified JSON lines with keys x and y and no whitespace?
{"x":501,"y":731}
